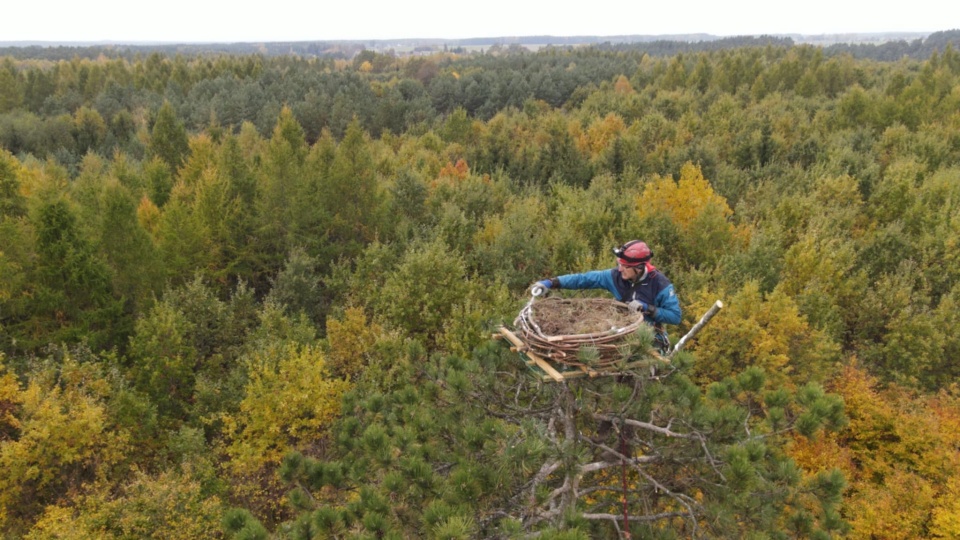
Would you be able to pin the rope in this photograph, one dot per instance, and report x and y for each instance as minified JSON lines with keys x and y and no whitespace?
{"x":623,"y":475}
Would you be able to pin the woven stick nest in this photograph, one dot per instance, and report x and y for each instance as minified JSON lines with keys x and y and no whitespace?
{"x":562,"y":328}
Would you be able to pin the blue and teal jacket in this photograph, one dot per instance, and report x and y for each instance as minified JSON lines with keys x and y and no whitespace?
{"x":655,"y":290}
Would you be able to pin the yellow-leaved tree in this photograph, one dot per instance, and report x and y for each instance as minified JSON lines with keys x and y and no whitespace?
{"x":351,"y":341}
{"x":289,"y":402}
{"x":170,"y":506}
{"x":10,"y":400}
{"x":946,"y":515}
{"x":55,"y":439}
{"x":767,"y":331}
{"x":601,"y":134}
{"x":700,"y":215}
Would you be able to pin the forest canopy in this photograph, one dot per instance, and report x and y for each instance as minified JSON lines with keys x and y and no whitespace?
{"x":252,"y":295}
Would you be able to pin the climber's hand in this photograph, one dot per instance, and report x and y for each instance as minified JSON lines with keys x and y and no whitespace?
{"x":540,"y":287}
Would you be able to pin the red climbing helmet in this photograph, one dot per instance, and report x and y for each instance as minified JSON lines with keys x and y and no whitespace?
{"x":633,"y":253}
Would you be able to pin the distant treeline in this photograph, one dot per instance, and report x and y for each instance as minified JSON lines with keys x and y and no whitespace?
{"x":660,"y":46}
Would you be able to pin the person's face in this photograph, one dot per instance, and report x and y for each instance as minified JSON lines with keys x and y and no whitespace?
{"x":628,"y":272}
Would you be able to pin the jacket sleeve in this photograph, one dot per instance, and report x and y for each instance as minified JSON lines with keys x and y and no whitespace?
{"x":668,"y":307}
{"x":597,"y":279}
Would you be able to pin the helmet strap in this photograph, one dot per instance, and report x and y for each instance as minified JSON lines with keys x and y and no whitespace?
{"x":640,"y":275}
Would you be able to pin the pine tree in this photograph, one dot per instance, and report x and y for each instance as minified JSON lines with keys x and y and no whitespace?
{"x":477,"y":448}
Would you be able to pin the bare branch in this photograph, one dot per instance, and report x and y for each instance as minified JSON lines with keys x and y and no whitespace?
{"x":652,"y":517}
{"x":601,"y":465}
{"x":648,"y":426}
{"x":546,"y":470}
{"x":684,"y":500}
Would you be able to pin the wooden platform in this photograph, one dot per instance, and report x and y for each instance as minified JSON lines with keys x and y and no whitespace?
{"x":562,"y":372}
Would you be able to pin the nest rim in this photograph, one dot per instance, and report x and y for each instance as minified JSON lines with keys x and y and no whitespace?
{"x":558,"y":347}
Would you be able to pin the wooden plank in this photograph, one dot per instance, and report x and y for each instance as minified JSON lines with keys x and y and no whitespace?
{"x":545,"y":366}
{"x":589,"y":372}
{"x":540,"y":362}
{"x":512,"y":338}
{"x":579,"y":374}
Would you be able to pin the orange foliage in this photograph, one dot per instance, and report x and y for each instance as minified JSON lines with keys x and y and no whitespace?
{"x":906,"y":451}
{"x":821,"y":454}
{"x":622,"y":86}
{"x":452,"y":173}
{"x":601,"y":133}
{"x":148,"y":215}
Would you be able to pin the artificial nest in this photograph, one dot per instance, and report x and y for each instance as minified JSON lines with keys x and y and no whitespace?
{"x":596,"y":332}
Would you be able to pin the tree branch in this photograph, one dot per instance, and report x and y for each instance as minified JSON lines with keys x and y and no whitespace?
{"x":648,"y":426}
{"x":618,"y":518}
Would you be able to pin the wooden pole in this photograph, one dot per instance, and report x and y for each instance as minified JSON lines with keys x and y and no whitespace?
{"x":697,"y":327}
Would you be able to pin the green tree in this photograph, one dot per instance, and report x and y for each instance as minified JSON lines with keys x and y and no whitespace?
{"x":159,"y":181}
{"x":12,"y":202}
{"x":351,"y":197}
{"x":420,"y":295}
{"x":183,"y":241}
{"x":128,"y":249}
{"x":242,"y":259}
{"x":74,"y":296}
{"x":512,"y":246}
{"x":90,"y":130}
{"x":408,"y":203}
{"x":168,"y":138}
{"x":164,"y":358}
{"x":298,"y":288}
{"x":11,"y":95}
{"x":186,"y":347}
{"x":280,"y":181}
{"x":560,"y":159}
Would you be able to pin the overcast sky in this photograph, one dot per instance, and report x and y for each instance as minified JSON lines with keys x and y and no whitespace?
{"x":288,"y":20}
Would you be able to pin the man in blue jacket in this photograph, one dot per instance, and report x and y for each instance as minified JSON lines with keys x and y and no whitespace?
{"x":634,"y":282}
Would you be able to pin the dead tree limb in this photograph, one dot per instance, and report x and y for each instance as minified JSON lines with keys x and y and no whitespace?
{"x":666,"y":432}
{"x":717,"y":306}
